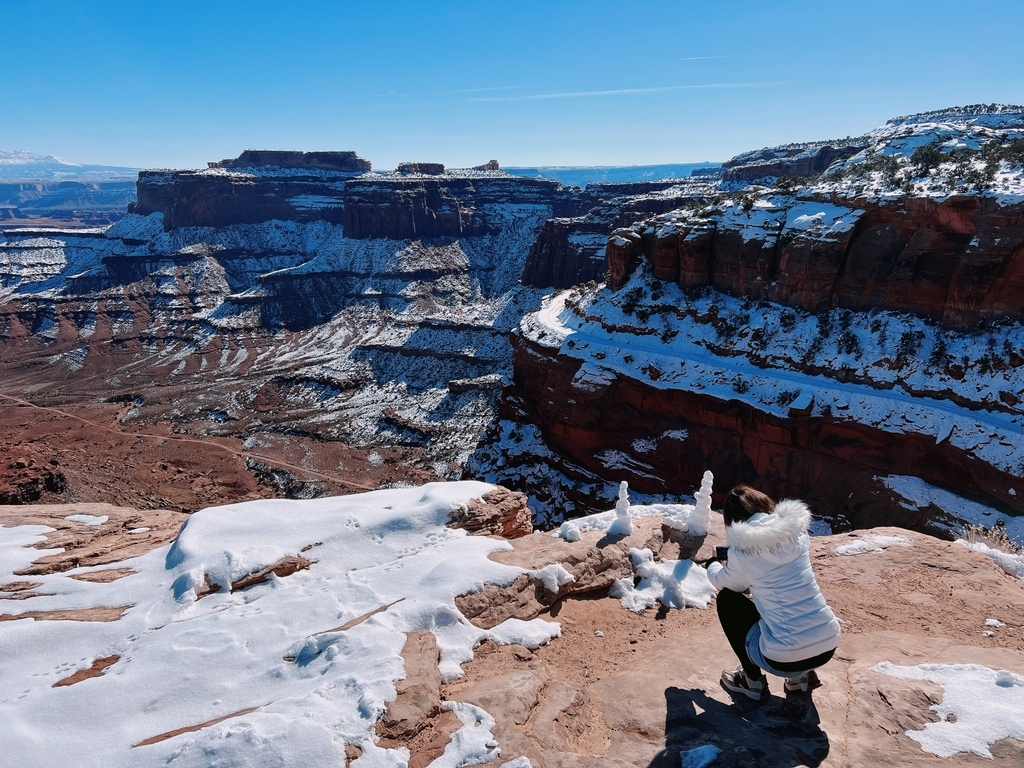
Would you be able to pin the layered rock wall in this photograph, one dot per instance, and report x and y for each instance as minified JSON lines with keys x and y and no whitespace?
{"x":796,"y":160}
{"x":958,"y":261}
{"x":203,"y":199}
{"x":422,"y":202}
{"x":572,"y":249}
{"x":430,"y":205}
{"x":832,"y":463}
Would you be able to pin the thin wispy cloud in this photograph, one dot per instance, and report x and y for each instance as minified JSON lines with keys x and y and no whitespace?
{"x":703,"y":58}
{"x":619,"y":91}
{"x":456,"y":91}
{"x":490,"y":88}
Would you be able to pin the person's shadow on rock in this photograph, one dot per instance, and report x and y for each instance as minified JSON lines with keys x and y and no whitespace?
{"x":774,"y":734}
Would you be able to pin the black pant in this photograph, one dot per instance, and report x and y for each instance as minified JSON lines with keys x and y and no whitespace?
{"x":737,"y":614}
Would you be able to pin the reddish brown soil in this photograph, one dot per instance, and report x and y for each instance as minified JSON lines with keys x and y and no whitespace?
{"x":161,"y":465}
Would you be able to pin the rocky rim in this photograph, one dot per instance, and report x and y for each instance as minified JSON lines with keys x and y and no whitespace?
{"x":626,"y":689}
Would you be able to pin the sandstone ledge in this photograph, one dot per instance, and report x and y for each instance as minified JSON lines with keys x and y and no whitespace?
{"x":648,"y":688}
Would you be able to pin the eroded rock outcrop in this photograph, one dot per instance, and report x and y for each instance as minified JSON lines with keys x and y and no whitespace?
{"x":572,"y":249}
{"x":958,"y":260}
{"x":625,"y":689}
{"x":500,"y":512}
{"x":835,"y":463}
{"x":795,"y":160}
{"x":413,"y":203}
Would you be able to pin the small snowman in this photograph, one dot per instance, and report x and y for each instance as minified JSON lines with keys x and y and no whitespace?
{"x":702,"y":512}
{"x":623,"y":523}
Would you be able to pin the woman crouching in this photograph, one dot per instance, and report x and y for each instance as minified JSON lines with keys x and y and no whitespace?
{"x":785,"y":627}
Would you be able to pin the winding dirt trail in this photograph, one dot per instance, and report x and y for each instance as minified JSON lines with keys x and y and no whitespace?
{"x":205,"y":443}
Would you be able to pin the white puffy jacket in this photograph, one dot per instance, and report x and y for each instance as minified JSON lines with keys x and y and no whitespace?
{"x":769,"y":555}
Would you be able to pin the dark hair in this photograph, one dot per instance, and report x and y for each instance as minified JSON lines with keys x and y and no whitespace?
{"x":743,"y":502}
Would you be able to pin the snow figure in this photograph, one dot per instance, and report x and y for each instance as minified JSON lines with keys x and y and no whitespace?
{"x":623,"y":523}
{"x":570,"y":531}
{"x":702,"y":512}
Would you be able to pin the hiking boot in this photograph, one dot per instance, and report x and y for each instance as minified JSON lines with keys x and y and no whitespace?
{"x":738,"y":682}
{"x":802,"y":684}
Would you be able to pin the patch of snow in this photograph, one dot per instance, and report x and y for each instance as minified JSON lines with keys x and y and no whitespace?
{"x":1012,"y":564}
{"x":314,"y":202}
{"x":675,"y":434}
{"x":88,"y":519}
{"x":644,"y":446}
{"x":920,"y":494}
{"x":472,"y":743}
{"x":553,"y":576}
{"x":872,"y":544}
{"x":673,"y":583}
{"x":569,"y":531}
{"x":533,"y":634}
{"x":979,"y":707}
{"x":17,"y":549}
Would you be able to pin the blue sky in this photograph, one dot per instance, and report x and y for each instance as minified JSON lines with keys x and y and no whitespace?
{"x":175,"y":84}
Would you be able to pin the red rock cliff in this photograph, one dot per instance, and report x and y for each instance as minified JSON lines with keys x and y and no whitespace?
{"x":958,"y":260}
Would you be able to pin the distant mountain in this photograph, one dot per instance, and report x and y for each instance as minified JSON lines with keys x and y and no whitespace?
{"x":17,"y":165}
{"x":580,"y":176}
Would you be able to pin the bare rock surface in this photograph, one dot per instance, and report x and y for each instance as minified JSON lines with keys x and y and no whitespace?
{"x":595,"y":564}
{"x":627,"y":689}
{"x":125,"y":533}
{"x":500,"y":512}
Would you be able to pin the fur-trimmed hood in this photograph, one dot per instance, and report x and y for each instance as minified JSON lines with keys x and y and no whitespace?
{"x":775,"y":533}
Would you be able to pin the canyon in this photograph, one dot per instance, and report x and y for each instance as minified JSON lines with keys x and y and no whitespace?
{"x":334,"y":328}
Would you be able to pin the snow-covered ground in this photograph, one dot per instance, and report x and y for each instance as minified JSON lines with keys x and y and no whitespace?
{"x":866,"y":174}
{"x":286,"y":672}
{"x":300,"y":665}
{"x":290,"y":671}
{"x":887,"y":169}
{"x":979,"y":707}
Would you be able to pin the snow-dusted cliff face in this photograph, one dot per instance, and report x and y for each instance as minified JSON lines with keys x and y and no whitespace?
{"x":927,"y":218}
{"x":307,"y":301}
{"x":816,"y":338}
{"x":395,"y":346}
{"x":840,"y":408}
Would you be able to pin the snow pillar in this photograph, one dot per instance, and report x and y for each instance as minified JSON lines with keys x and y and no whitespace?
{"x":702,"y":513}
{"x":623,"y":523}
